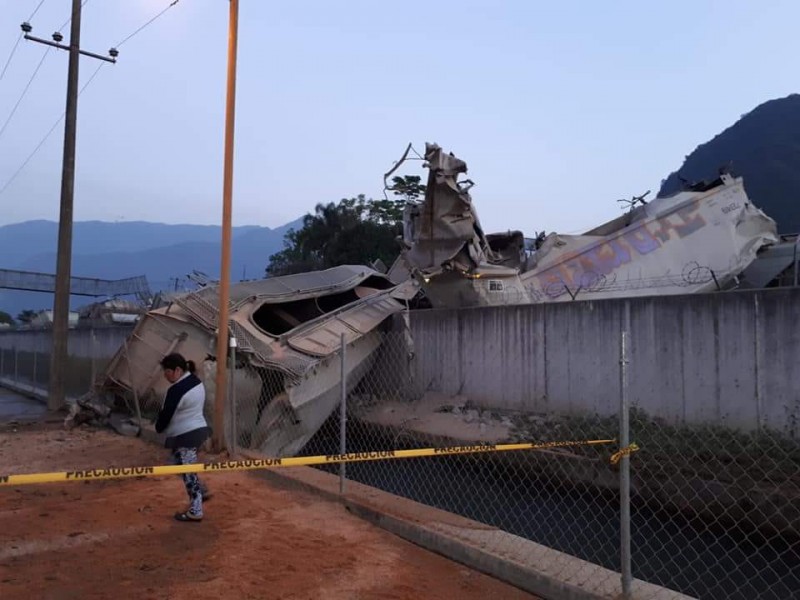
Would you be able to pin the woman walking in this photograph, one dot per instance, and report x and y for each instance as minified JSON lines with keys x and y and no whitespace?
{"x":181,"y":419}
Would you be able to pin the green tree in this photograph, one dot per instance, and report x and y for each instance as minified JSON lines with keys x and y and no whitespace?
{"x":26,"y":316}
{"x":408,"y":187}
{"x":5,"y":318}
{"x":352,"y":231}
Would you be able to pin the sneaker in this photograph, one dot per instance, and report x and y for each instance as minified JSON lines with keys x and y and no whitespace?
{"x":188,"y":516}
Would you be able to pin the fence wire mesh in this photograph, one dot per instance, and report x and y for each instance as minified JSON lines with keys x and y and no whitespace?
{"x":714,"y":513}
{"x":25,"y":357}
{"x":25,"y":368}
{"x":537,"y":504}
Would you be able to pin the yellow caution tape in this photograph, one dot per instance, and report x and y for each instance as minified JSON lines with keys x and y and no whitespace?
{"x":270,"y":463}
{"x":617,"y":456}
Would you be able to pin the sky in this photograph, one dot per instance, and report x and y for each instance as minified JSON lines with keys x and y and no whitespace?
{"x":558,"y":108}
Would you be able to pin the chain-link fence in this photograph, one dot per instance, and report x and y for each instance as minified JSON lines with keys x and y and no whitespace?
{"x":703,"y":512}
{"x":25,"y":358}
{"x":716,"y":512}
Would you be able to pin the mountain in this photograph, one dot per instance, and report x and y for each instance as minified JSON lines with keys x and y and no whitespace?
{"x":763,"y":147}
{"x":159,"y":251}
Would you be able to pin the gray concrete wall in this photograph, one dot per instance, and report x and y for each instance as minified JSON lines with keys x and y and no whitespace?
{"x":730,"y":359}
{"x":98,"y":342}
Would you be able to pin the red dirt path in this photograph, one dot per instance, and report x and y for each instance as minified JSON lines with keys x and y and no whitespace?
{"x":116,"y":539}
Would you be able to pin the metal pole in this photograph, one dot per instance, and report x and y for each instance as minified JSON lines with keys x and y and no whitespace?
{"x":58,"y":365}
{"x":136,"y":406}
{"x":624,"y":470}
{"x":92,"y":352}
{"x":16,"y":364}
{"x":232,"y":397}
{"x":758,"y":366}
{"x":35,"y":382}
{"x":343,"y":415}
{"x":225,"y":266}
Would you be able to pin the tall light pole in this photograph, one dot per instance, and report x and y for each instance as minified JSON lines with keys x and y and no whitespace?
{"x":58,"y":359}
{"x":225,"y":265}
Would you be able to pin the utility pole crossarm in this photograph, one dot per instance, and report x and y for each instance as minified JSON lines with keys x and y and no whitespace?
{"x":57,"y":37}
{"x":111,"y":59}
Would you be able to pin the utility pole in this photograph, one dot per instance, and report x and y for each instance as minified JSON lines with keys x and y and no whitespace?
{"x":225,"y":266}
{"x":58,"y":364}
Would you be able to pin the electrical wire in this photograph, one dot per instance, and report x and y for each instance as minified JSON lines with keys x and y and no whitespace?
{"x":100,"y":66}
{"x":47,"y":135}
{"x":35,"y":10}
{"x":70,"y":17}
{"x":10,"y":56}
{"x":24,"y":91}
{"x":171,"y":4}
{"x":19,"y":39}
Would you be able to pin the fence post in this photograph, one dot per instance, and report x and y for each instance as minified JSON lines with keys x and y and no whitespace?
{"x":136,"y":407}
{"x":759,"y":364}
{"x":92,"y":353}
{"x":342,"y":416}
{"x":2,"y":362}
{"x":34,"y":382}
{"x":16,"y":364}
{"x":624,"y":465}
{"x":232,"y":445}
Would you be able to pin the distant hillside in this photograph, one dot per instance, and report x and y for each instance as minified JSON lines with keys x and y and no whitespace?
{"x":116,"y":250}
{"x":764,"y":148}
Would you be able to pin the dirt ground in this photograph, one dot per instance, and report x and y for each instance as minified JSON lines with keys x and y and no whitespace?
{"x":117,"y":539}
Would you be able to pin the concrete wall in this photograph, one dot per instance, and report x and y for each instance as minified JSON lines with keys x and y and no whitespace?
{"x":731,"y":359}
{"x":99,"y":342}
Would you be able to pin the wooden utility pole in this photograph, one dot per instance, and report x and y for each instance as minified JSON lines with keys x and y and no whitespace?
{"x":58,"y":359}
{"x":225,"y":265}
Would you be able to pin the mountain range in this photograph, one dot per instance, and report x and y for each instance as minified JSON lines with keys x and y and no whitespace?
{"x":763,"y":147}
{"x":165,"y":254}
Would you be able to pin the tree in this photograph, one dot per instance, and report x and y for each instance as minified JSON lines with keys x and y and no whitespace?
{"x":26,"y":316}
{"x":5,"y":318}
{"x":408,"y":187}
{"x":352,"y":231}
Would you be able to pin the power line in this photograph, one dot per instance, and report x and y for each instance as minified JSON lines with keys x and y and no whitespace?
{"x":10,"y":56}
{"x":50,"y":131}
{"x":70,"y":17}
{"x":47,"y":135}
{"x":173,"y":3}
{"x":35,"y":10}
{"x":19,"y":39}
{"x":24,"y":91}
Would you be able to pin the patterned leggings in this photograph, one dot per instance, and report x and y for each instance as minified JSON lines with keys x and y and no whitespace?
{"x":186,"y":456}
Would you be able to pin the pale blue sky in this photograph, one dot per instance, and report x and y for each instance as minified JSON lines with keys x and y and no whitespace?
{"x":559,"y":108}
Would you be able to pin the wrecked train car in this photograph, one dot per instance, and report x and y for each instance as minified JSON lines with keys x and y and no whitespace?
{"x":698,"y":240}
{"x":288,"y":331}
